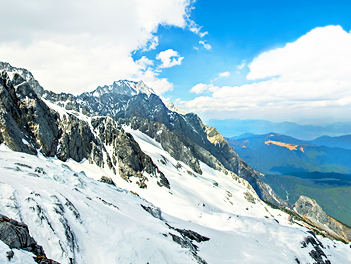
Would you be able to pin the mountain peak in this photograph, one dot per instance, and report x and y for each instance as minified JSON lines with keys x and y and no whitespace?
{"x":124,"y":87}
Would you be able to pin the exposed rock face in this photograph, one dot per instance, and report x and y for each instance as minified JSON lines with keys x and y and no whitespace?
{"x":27,"y":75}
{"x":317,"y":253}
{"x":185,"y":240}
{"x":27,"y":124}
{"x":106,"y":180}
{"x":309,"y":208}
{"x":16,"y":235}
{"x":132,"y":162}
{"x":76,"y":139}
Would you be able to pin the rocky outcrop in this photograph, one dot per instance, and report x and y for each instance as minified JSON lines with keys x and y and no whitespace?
{"x":317,"y":253}
{"x":27,"y":75}
{"x":76,"y":139}
{"x":16,"y":235}
{"x":28,"y":125}
{"x":132,"y":162}
{"x":308,"y":208}
{"x":107,"y":180}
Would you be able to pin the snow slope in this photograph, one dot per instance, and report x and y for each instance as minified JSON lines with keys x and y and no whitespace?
{"x":75,"y":217}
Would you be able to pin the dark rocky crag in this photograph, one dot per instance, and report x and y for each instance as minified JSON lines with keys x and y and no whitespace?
{"x":16,"y":235}
{"x":28,"y":125}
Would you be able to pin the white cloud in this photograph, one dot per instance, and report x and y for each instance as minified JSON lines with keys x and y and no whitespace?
{"x":241,"y":66}
{"x":193,"y":27}
{"x":159,"y":85}
{"x":201,"y":87}
{"x":206,"y":45}
{"x":203,"y":34}
{"x":151,"y":44}
{"x":224,"y":74}
{"x":169,"y":58}
{"x":144,"y":62}
{"x":71,"y":46}
{"x":309,"y":78}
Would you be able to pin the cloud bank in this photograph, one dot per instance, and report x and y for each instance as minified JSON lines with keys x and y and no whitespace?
{"x":169,"y":58}
{"x":74,"y":46}
{"x":307,"y":78}
{"x":224,"y":74}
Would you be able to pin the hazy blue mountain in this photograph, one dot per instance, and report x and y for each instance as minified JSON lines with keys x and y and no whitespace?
{"x":236,"y":127}
{"x":280,"y":154}
{"x":334,"y":142}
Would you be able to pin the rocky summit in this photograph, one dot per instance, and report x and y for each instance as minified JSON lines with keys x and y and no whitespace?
{"x":115,"y":176}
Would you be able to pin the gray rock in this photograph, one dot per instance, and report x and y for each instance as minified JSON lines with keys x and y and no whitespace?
{"x":154,"y":211}
{"x":310,"y":209}
{"x":106,"y":180}
{"x":192,"y":235}
{"x":24,"y":116}
{"x":10,"y":254}
{"x":132,"y":161}
{"x":34,"y":84}
{"x":316,"y":253}
{"x":16,"y":235}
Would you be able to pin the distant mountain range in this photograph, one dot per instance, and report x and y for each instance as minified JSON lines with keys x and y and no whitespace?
{"x":235,"y":127}
{"x":280,"y":154}
{"x":333,"y":142}
{"x":319,"y":169}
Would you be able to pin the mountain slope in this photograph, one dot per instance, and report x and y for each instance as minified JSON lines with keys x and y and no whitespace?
{"x":333,"y":142}
{"x":276,"y":153}
{"x":236,"y":127}
{"x":126,"y":99}
{"x":75,"y":217}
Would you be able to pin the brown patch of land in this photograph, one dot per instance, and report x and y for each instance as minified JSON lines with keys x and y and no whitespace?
{"x":281,"y":144}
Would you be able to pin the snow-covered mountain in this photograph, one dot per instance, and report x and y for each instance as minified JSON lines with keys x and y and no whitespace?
{"x":124,"y":87}
{"x":94,"y":190}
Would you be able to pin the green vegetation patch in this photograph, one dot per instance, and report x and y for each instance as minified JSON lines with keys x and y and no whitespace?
{"x":331,"y":191}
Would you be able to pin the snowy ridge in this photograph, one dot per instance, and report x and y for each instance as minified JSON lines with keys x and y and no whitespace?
{"x":23,"y":72}
{"x":125,"y":87}
{"x":174,"y":108}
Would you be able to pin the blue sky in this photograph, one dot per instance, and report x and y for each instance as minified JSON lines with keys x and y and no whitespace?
{"x":239,"y":31}
{"x":273,"y":60}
